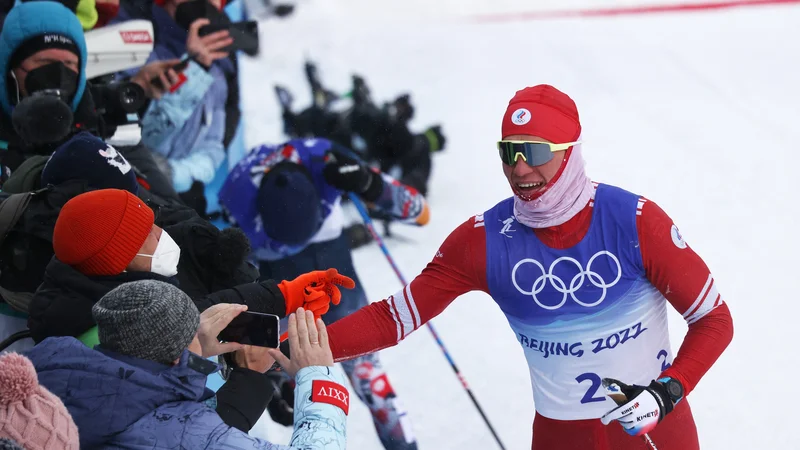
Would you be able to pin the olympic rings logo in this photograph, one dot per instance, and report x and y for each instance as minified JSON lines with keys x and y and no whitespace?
{"x":574,"y":285}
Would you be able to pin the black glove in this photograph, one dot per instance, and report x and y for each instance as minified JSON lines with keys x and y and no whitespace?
{"x":358,"y":235}
{"x":436,"y":139}
{"x":281,"y":407}
{"x":348,"y":174}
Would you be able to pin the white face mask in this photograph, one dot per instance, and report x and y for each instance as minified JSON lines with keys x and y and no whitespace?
{"x":166,"y":257}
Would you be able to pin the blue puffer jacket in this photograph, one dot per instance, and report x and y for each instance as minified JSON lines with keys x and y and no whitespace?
{"x":188,"y":125}
{"x":30,"y":19}
{"x":127,"y":403}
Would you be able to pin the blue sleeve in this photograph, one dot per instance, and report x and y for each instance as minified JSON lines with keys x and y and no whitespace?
{"x":167,"y":115}
{"x":207,"y":154}
{"x":225,"y":437}
{"x":317,"y":426}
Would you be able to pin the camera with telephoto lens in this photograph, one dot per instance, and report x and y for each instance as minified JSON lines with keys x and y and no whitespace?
{"x":117,"y":102}
{"x":112,"y":50}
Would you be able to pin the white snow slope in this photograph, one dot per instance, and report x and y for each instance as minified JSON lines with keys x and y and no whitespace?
{"x":697,"y":111}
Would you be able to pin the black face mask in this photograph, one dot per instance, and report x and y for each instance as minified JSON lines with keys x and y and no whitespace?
{"x":45,"y":115}
{"x":52,"y":79}
{"x":186,"y":13}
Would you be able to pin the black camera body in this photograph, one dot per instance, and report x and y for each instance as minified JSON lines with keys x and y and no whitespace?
{"x":117,"y":103}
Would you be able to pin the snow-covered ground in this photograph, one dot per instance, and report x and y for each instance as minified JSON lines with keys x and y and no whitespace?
{"x":697,"y":111}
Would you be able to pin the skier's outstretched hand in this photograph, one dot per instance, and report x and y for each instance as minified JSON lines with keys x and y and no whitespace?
{"x":308,"y":344}
{"x":640,"y":408}
{"x":315,"y":291}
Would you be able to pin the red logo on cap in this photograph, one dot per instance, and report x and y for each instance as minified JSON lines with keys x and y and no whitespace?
{"x":136,"y":37}
{"x":331,"y":393}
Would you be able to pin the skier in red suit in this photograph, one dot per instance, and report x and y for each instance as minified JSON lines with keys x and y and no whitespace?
{"x":583,"y":272}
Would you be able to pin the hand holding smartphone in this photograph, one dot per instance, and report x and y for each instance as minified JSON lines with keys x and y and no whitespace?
{"x":244,"y":35}
{"x":178,"y":68}
{"x":252,"y":328}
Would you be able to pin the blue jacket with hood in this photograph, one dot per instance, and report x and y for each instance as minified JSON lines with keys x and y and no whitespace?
{"x":30,"y":19}
{"x":186,"y":126}
{"x":126,"y":403}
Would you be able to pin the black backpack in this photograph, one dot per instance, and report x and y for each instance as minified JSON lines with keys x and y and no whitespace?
{"x":11,"y":210}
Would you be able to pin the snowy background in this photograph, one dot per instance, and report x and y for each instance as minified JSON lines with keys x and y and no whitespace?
{"x":696,"y":110}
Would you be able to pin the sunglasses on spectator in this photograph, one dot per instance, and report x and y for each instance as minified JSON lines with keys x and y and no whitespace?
{"x":533,"y":153}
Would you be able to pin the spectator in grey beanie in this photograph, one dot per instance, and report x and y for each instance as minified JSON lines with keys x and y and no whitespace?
{"x":8,"y":444}
{"x":143,"y":386}
{"x":148,"y":320}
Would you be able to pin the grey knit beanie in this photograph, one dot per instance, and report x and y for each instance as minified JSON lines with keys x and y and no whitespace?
{"x":8,"y":444}
{"x":146,"y":319}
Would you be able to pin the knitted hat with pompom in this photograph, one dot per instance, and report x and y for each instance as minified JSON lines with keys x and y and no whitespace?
{"x":30,"y":415}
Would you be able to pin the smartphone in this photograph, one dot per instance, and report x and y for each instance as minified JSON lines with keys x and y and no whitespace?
{"x":178,"y":68}
{"x":244,"y":35}
{"x":252,"y":328}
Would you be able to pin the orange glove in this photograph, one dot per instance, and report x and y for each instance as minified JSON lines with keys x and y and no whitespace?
{"x":314,"y":291}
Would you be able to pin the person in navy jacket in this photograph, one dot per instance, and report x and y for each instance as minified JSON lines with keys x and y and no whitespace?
{"x":286,"y":198}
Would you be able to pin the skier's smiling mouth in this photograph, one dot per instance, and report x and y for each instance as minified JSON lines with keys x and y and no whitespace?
{"x":529,"y":187}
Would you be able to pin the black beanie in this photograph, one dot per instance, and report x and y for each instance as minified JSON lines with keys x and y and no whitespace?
{"x":289,"y":204}
{"x":87,"y":157}
{"x":42,"y":42}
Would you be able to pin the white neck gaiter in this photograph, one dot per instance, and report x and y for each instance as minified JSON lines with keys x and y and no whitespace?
{"x":562,"y":201}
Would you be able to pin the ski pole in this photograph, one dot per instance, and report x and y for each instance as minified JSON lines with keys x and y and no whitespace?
{"x":362,"y":210}
{"x":650,"y":441}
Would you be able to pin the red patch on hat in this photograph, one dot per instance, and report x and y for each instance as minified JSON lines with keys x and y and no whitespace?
{"x":542,"y":111}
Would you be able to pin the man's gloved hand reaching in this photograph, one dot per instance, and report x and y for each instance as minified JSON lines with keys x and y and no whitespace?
{"x":314,"y":291}
{"x":350,"y":175}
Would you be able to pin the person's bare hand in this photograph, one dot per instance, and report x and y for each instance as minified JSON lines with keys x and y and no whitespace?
{"x":212,"y":322}
{"x":308,"y":343}
{"x":206,"y":49}
{"x":254,"y":358}
{"x":161,"y":69}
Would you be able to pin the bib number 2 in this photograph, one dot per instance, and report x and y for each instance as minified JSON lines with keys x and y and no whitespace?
{"x":596,"y":383}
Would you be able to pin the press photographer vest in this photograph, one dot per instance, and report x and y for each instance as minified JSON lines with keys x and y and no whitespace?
{"x":581,"y":313}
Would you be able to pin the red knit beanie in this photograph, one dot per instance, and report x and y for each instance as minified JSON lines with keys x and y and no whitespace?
{"x":100,"y":232}
{"x":542,"y":111}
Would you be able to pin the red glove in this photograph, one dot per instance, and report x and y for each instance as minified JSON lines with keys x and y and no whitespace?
{"x":314,"y":291}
